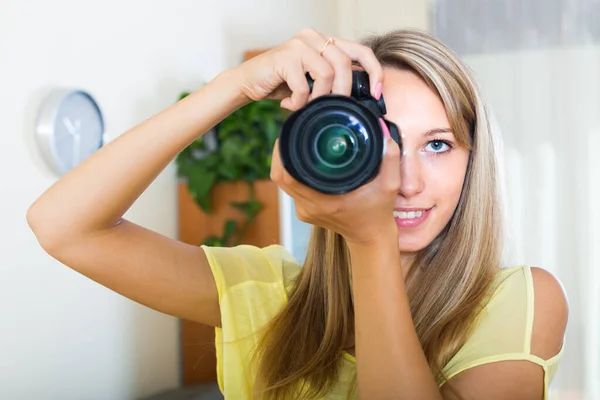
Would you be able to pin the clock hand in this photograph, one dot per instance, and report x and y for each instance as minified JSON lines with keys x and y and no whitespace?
{"x":73,"y":131}
{"x":70,"y":127}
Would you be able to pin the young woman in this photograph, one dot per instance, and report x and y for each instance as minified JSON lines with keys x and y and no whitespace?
{"x":402,"y":295}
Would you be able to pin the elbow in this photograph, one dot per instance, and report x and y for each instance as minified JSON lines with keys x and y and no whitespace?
{"x":33,"y":221}
{"x":46,"y":235}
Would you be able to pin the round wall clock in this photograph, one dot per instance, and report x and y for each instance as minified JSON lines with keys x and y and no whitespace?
{"x":69,"y":129}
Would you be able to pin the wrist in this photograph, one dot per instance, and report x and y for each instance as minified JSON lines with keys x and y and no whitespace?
{"x":225,"y":89}
{"x":381,"y":253}
{"x":382,"y":238}
{"x":234,"y":78}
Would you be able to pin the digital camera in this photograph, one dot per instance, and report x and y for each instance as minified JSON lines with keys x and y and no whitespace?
{"x":334,"y":144}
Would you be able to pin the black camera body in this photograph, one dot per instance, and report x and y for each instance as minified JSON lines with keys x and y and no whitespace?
{"x":334,"y":144}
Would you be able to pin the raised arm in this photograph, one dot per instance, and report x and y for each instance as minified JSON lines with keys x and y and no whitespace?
{"x":78,"y":219}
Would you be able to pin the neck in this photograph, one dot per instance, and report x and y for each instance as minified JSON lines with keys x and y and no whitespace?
{"x":406,"y":262}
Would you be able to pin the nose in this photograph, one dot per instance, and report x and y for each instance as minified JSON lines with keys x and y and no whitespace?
{"x":411,"y":175}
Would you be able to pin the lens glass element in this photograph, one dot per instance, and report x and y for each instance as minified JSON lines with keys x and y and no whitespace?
{"x":336,"y":145}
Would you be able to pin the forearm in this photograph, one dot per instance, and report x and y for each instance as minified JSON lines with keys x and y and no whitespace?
{"x":96,"y":193}
{"x":390,"y":361}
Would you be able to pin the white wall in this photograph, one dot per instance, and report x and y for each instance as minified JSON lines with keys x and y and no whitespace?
{"x":360,"y":17}
{"x":63,"y":336}
{"x":550,"y":132}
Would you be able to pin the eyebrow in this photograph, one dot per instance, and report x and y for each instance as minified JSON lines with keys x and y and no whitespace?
{"x":436,"y":131}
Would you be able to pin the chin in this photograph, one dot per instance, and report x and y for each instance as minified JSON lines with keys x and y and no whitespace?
{"x":411,"y":245}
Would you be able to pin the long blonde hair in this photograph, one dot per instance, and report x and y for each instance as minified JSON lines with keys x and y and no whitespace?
{"x":299,"y":355}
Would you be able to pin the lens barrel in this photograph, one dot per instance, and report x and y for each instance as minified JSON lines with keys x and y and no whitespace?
{"x":334,"y":144}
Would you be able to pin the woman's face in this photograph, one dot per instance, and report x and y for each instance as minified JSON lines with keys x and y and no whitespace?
{"x":433,"y":165}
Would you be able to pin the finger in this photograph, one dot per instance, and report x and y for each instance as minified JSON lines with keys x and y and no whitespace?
{"x":365,"y":56}
{"x":281,"y":92}
{"x":339,"y":61}
{"x":297,"y":190}
{"x":296,"y":81}
{"x":342,"y":67}
{"x":321,"y":72}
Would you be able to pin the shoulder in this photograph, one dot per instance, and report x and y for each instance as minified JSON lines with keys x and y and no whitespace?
{"x":551,"y":312}
{"x":535,"y":299}
{"x":518,"y":340}
{"x":244,"y":263}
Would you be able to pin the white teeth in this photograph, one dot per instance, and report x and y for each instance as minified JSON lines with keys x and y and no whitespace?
{"x":407,"y":215}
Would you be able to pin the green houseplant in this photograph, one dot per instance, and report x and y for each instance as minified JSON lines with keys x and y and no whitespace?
{"x":244,"y":143}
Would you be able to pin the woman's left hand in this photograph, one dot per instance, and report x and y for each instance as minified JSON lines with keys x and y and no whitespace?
{"x":362,"y":216}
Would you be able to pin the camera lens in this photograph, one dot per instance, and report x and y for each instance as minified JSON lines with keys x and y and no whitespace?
{"x":332,"y":145}
{"x":335,"y":147}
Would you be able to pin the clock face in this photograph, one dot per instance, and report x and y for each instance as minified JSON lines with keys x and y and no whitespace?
{"x":70,"y":129}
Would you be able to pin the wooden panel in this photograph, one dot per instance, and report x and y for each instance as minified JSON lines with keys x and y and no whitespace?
{"x":253,"y":53}
{"x":197,"y":340}
{"x":195,"y":225}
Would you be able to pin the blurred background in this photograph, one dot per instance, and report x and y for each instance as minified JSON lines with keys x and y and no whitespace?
{"x":66,"y":337}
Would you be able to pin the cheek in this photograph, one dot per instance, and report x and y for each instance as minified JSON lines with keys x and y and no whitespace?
{"x":445,"y":177}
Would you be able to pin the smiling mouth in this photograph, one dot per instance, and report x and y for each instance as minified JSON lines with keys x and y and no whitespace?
{"x":410,"y":214}
{"x":411,"y":218}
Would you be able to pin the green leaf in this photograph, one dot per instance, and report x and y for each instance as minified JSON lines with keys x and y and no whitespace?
{"x":229,"y":229}
{"x":227,"y":172}
{"x":204,"y":202}
{"x":213,"y":241}
{"x":249,"y":208}
{"x":250,"y":176}
{"x":231,"y":150}
{"x":271,"y":131}
{"x":183,"y":95}
{"x":211,"y":161}
{"x":246,"y":138}
{"x":200,"y":183}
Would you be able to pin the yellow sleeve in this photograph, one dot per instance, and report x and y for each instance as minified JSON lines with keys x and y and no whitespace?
{"x":505,"y":328}
{"x":253,"y":285}
{"x":232,"y":266}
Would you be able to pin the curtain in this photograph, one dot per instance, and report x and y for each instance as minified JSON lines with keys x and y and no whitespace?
{"x":538,"y":64}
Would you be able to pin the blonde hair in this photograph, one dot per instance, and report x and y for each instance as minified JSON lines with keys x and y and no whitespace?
{"x":450,"y":279}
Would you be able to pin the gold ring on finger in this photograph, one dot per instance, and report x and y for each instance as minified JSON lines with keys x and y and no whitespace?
{"x":329,"y":41}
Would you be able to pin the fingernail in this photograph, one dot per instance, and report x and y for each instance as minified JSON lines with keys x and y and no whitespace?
{"x":378,"y":91}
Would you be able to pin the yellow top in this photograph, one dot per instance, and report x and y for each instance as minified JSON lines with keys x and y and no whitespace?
{"x":253,"y":284}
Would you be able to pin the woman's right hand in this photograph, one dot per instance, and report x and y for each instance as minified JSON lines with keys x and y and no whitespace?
{"x":280,"y":73}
